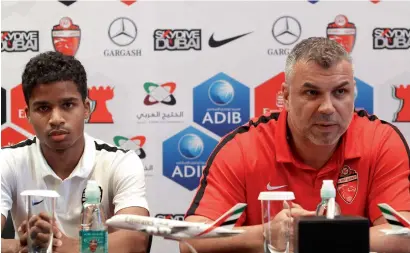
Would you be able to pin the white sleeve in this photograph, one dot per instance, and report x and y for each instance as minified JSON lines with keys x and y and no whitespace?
{"x":7,"y":182}
{"x":129,"y":183}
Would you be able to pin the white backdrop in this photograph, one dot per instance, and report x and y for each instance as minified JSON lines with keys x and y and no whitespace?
{"x":168,"y":135}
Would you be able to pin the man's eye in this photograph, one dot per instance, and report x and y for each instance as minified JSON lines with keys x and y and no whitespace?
{"x":43,"y":108}
{"x":68,"y":105}
{"x":312,"y":92}
{"x":340,"y":92}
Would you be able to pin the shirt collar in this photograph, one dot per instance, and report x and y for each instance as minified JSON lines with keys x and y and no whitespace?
{"x":350,"y":143}
{"x":84,"y":166}
{"x":282,"y":148}
{"x":351,"y":140}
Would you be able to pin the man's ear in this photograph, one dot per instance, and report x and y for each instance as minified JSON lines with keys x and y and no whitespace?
{"x":286,"y":93}
{"x":27,"y":111}
{"x":87,"y":106}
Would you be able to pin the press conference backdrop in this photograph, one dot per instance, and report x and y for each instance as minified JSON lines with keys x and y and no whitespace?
{"x":169,"y":79}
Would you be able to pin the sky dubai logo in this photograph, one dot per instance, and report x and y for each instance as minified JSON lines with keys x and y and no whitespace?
{"x":391,"y":38}
{"x":19,"y":41}
{"x":159,"y":93}
{"x":177,"y":39}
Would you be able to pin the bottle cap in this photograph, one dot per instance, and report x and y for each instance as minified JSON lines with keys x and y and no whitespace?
{"x":328,"y":189}
{"x":92,"y":192}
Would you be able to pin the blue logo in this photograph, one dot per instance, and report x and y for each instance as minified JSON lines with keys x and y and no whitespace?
{"x":34,"y":203}
{"x":185,"y":155}
{"x":363,"y":96}
{"x":191,"y":146}
{"x":225,"y":108}
{"x":221,"y":92}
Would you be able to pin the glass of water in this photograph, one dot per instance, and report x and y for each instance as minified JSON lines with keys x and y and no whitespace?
{"x":40,"y":234}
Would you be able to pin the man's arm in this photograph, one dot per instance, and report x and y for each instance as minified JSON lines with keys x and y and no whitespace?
{"x":8,"y":245}
{"x":127,"y":240}
{"x":7,"y":183}
{"x":222,"y":186}
{"x":129,"y":198}
{"x":379,"y":242}
{"x":251,"y":241}
{"x":389,"y":184}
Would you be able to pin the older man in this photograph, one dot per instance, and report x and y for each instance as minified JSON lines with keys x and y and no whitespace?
{"x":319,"y":136}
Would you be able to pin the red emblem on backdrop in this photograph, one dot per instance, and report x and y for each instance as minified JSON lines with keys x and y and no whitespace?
{"x":66,"y":37}
{"x":347,"y":184}
{"x":343,"y":32}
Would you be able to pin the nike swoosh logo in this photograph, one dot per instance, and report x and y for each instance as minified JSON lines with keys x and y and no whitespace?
{"x":271,"y":188}
{"x":217,"y":43}
{"x":38,"y":202}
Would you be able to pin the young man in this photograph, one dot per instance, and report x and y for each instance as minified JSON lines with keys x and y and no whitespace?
{"x":63,"y":158}
{"x":317,"y":137}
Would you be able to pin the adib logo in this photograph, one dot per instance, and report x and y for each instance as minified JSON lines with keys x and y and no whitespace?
{"x":185,"y":155}
{"x":363,"y":94}
{"x":221,"y":104}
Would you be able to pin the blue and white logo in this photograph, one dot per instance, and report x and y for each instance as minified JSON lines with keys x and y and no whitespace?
{"x":190,"y":146}
{"x":363,"y":96}
{"x":185,"y":155}
{"x":225,"y":108}
{"x":221,"y":92}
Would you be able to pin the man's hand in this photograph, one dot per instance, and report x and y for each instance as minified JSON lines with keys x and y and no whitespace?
{"x":40,"y":229}
{"x":10,"y":246}
{"x":282,"y":225}
{"x":65,"y":244}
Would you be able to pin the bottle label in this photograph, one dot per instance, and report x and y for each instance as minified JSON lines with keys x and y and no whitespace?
{"x":93,"y":241}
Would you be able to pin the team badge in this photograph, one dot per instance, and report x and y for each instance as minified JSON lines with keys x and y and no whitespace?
{"x":347,"y":184}
{"x":66,"y":37}
{"x":343,"y":32}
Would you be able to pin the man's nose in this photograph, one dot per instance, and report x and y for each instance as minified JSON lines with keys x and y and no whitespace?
{"x":326,"y":107}
{"x":56,"y":118}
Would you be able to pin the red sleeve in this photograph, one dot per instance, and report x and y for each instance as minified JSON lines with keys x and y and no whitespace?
{"x":222,"y":183}
{"x":390,"y":182}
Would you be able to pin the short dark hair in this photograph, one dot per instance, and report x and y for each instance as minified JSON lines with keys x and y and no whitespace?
{"x":323,"y":51}
{"x":50,"y":67}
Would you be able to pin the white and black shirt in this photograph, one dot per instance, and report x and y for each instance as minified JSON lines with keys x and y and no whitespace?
{"x":119,"y":173}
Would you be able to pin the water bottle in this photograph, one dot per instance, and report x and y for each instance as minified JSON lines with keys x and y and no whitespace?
{"x":328,"y":206}
{"x":93,"y":233}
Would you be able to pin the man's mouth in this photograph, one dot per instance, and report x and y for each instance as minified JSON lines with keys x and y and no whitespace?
{"x":326,"y":126}
{"x":57,"y":132}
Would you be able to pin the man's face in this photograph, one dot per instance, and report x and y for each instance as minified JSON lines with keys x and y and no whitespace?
{"x":93,"y":246}
{"x":57,"y":113}
{"x":320,"y":102}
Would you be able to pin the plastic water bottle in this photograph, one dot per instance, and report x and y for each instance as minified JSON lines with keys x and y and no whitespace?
{"x":93,"y":233}
{"x":328,"y":206}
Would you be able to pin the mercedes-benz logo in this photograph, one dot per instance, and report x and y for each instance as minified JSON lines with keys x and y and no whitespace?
{"x":122,"y":31}
{"x":286,"y":30}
